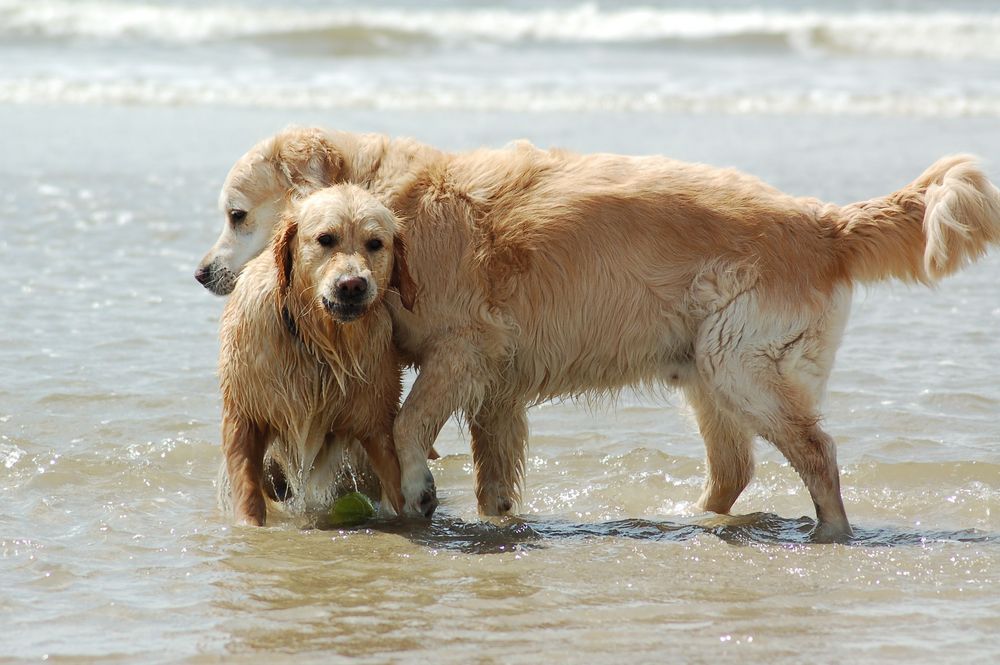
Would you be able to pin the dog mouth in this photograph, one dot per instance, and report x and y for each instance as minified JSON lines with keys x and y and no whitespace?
{"x":345,"y":312}
{"x":222,"y":287}
{"x":219,"y":281}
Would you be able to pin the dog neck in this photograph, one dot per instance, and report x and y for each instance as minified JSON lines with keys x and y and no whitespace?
{"x":350,"y":350}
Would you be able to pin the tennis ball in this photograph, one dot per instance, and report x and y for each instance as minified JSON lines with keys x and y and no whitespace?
{"x":351,"y":509}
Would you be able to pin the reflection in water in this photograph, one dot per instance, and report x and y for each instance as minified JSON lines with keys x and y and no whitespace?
{"x":450,"y":588}
{"x":511,"y":534}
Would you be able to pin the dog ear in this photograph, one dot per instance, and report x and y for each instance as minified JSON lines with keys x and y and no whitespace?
{"x":401,"y":279}
{"x":308,"y":160}
{"x":283,"y":253}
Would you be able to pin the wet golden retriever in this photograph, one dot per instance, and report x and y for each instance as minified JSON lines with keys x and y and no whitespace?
{"x":545,"y":274}
{"x":307,"y":360}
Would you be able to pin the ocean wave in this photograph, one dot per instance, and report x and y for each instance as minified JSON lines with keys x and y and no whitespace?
{"x":936,"y":34}
{"x":161,"y":93}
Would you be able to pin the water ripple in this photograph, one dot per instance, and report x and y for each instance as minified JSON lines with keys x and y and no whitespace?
{"x":512,"y":534}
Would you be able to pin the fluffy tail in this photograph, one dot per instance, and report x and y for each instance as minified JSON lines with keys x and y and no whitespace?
{"x":929,"y":229}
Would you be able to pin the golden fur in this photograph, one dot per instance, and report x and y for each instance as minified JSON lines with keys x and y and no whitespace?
{"x":544,"y":274}
{"x":302,"y":370}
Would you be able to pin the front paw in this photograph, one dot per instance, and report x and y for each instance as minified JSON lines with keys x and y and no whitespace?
{"x":251,"y":510}
{"x":496,"y":507}
{"x":250,"y":518}
{"x":420,"y":497}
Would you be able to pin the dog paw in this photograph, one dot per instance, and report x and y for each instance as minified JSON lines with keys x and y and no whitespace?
{"x":421,"y":500}
{"x":428,"y":502}
{"x":495,"y":502}
{"x":832,"y":533}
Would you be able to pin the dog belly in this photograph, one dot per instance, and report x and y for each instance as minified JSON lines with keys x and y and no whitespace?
{"x":605,"y":351}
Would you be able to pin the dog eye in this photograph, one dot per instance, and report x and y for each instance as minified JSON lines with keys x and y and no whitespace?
{"x":374,"y":245}
{"x":326,"y":239}
{"x":237,"y":216}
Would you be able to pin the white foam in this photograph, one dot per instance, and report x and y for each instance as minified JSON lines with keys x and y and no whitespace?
{"x":10,"y":454}
{"x":945,"y":34}
{"x":160,"y":93}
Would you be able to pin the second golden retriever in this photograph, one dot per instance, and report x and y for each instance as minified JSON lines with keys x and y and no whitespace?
{"x":546,"y":274}
{"x":306,"y":359}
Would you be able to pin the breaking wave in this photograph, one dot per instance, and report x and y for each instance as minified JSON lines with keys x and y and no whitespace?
{"x":933,"y":34}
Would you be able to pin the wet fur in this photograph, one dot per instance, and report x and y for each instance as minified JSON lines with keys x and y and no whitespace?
{"x":295,"y":382}
{"x":545,"y":274}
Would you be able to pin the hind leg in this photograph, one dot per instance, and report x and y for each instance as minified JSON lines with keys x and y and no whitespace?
{"x":813,"y":454}
{"x":728,"y":452}
{"x":768,"y":370}
{"x":499,"y":444}
{"x":784,"y":415}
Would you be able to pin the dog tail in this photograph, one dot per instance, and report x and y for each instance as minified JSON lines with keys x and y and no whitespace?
{"x":931,"y":228}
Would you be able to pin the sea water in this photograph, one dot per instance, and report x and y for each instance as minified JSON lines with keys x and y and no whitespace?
{"x":119,"y":121}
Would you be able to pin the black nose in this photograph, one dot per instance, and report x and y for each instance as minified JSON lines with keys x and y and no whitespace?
{"x":203,"y":275}
{"x":351,"y":288}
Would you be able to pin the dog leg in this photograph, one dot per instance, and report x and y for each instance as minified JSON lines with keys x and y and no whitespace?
{"x":783,"y":415}
{"x":813,"y":454}
{"x":382,"y":454}
{"x":447,"y":382}
{"x":243,"y":445}
{"x":752,"y":363}
{"x":728,"y":452}
{"x":792,"y":427}
{"x":499,"y":444}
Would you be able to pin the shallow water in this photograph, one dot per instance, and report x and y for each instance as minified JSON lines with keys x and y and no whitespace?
{"x":111,"y":546}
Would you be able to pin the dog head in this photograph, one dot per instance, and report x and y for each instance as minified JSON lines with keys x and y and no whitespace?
{"x":341,"y":250}
{"x":289,"y":165}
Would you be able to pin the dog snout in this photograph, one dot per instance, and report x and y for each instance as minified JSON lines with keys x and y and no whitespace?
{"x":352,"y":287}
{"x":215,"y":277}
{"x":203,"y":274}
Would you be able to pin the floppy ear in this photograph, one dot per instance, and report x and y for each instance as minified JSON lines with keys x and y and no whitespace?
{"x":283,"y":254}
{"x":401,"y":279}
{"x":308,"y":160}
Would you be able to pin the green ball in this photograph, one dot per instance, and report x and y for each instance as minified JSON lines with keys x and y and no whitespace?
{"x":351,"y":509}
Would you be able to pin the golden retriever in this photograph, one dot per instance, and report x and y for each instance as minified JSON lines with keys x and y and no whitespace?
{"x":258,"y":187}
{"x":546,"y":274}
{"x":306,"y":357}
